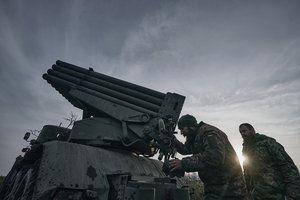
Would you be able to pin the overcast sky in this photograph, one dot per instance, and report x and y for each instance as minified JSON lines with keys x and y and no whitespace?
{"x":235,"y":61}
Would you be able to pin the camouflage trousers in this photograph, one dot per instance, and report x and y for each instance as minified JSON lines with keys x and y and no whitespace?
{"x":218,"y":197}
{"x":292,"y":192}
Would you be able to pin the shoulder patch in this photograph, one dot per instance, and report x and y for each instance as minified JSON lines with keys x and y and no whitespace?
{"x":211,"y":140}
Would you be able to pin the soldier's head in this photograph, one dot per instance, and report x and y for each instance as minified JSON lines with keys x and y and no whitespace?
{"x":187,"y":124}
{"x":247,"y":131}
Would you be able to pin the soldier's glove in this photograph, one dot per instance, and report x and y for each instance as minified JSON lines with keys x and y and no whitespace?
{"x":166,"y":170}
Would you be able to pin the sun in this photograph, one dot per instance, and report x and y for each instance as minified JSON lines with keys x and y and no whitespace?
{"x":240,"y":156}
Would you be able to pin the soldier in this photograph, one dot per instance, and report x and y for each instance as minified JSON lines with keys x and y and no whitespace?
{"x":213,"y":158}
{"x":269,"y":171}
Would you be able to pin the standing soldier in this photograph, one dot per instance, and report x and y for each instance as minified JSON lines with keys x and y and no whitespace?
{"x":213,"y":158}
{"x":269,"y":171}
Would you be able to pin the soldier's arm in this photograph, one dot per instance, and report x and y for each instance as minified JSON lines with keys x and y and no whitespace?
{"x":180,"y":147}
{"x":213,"y":155}
{"x":284,"y":162}
{"x":287,"y":169}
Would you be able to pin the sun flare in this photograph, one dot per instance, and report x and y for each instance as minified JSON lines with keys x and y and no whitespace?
{"x":240,"y":156}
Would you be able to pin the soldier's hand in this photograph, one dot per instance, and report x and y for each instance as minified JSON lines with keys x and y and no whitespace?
{"x":175,"y":164}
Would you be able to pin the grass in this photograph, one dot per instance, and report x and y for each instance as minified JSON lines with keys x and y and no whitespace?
{"x":1,"y":180}
{"x":193,"y":182}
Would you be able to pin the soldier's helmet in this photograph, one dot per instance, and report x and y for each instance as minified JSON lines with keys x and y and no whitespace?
{"x":187,"y":121}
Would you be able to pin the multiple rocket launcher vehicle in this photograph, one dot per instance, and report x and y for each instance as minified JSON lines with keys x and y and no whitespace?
{"x":107,"y":154}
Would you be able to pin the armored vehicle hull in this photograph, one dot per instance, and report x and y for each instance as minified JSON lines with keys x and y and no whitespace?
{"x":63,"y":170}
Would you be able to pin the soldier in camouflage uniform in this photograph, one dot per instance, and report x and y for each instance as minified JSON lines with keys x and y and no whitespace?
{"x":269,"y":171}
{"x":213,"y":158}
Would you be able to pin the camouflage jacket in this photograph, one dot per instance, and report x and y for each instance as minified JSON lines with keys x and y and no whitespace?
{"x":215,"y":161}
{"x":269,"y":171}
